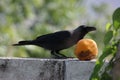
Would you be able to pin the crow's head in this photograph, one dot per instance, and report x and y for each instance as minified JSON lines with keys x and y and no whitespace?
{"x":86,"y":29}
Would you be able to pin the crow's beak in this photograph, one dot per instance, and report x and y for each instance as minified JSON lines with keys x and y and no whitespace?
{"x":90,"y":28}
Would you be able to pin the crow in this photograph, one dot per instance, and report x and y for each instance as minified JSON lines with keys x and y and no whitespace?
{"x":58,"y":41}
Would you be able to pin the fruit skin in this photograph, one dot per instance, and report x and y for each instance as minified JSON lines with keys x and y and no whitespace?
{"x":86,"y":49}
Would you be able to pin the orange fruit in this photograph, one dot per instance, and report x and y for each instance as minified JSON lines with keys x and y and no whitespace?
{"x":86,"y":49}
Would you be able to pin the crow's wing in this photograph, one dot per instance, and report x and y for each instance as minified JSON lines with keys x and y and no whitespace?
{"x":57,"y":37}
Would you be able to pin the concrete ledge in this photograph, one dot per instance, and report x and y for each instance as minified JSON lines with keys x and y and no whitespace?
{"x":45,"y":69}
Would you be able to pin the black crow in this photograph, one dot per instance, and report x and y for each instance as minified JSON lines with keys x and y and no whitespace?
{"x":59,"y":40}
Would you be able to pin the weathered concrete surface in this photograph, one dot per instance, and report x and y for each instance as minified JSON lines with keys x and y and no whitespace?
{"x":78,"y":70}
{"x":44,"y":69}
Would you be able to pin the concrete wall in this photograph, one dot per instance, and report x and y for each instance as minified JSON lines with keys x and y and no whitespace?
{"x":45,"y":69}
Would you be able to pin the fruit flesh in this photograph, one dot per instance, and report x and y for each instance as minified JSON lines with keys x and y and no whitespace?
{"x":86,"y":49}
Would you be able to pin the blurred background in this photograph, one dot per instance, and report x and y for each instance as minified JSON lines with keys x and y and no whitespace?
{"x":28,"y":19}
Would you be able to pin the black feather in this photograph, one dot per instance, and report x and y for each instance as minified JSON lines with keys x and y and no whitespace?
{"x":23,"y":43}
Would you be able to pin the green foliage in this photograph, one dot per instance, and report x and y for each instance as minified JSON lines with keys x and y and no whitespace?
{"x":116,"y":19}
{"x":111,"y":41}
{"x":107,"y":39}
{"x":24,"y":20}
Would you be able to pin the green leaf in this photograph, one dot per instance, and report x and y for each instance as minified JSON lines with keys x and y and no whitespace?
{"x":106,"y":51}
{"x":116,"y":19}
{"x":108,"y":26}
{"x":95,"y":74}
{"x":108,"y":37}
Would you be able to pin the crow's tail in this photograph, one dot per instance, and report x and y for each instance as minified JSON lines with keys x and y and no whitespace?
{"x":23,"y":43}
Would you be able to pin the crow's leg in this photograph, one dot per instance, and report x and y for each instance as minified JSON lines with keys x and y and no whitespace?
{"x":61,"y":55}
{"x":57,"y":55}
{"x":54,"y":54}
